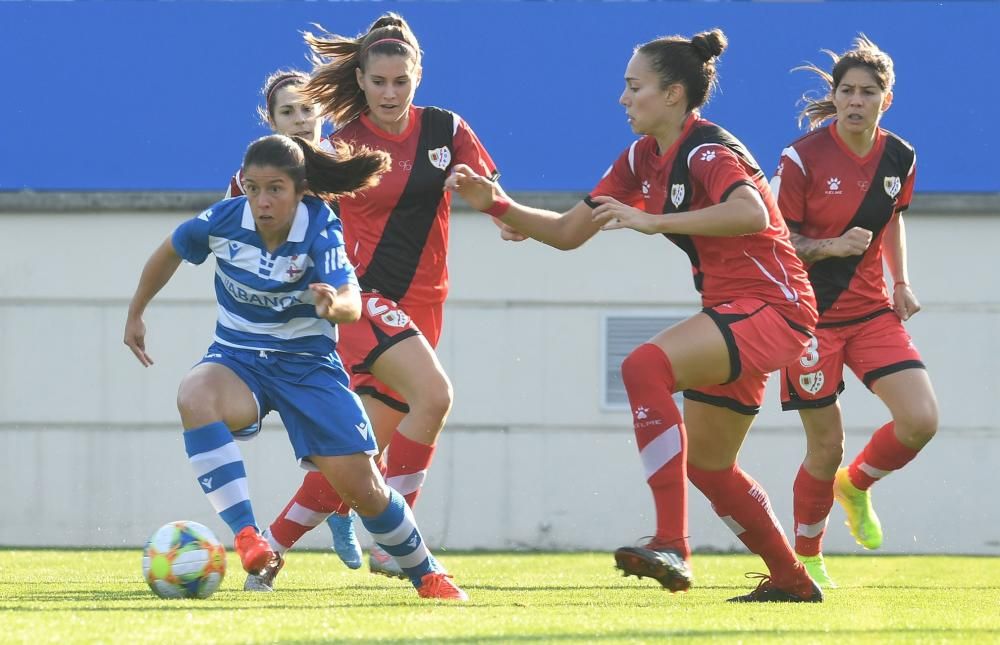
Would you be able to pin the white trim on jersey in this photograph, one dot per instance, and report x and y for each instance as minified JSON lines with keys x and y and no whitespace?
{"x":793,"y":154}
{"x":631,"y":157}
{"x":455,"y":122}
{"x":285,"y":330}
{"x":299,"y":225}
{"x":791,"y":295}
{"x":697,"y":148}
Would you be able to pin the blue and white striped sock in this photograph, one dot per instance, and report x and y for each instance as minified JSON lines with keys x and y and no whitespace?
{"x":218,"y":465}
{"x":395,"y":530}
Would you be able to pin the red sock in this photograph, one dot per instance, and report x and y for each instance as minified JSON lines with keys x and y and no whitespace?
{"x":813,"y":499}
{"x":744,"y":507}
{"x":309,"y":507}
{"x":407,"y":465}
{"x":659,"y":434}
{"x":883,"y":454}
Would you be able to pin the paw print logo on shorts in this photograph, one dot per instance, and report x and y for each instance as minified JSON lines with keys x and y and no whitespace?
{"x":640,"y":412}
{"x":708,"y":155}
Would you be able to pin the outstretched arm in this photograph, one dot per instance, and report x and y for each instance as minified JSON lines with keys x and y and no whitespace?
{"x":160,"y":267}
{"x":563,"y":231}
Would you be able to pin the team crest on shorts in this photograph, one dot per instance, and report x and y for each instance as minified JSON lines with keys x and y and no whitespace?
{"x":677,"y":194}
{"x":892,"y":186}
{"x":440,"y":157}
{"x":813,"y":382}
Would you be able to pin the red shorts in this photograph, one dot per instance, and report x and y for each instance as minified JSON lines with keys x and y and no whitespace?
{"x":760,"y":341}
{"x":383,"y":323}
{"x":872,"y":348}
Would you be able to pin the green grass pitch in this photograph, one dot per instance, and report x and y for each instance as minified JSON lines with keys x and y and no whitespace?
{"x":99,"y":596}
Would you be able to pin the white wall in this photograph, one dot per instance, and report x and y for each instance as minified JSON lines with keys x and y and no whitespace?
{"x":90,"y":447}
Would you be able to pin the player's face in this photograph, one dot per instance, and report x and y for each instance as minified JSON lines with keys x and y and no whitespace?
{"x":273,"y":199}
{"x":389,"y":83}
{"x":293,"y":117}
{"x":644,"y":100}
{"x":860,"y":101}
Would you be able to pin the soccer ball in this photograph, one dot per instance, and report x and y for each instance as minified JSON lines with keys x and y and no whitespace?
{"x":183,"y":560}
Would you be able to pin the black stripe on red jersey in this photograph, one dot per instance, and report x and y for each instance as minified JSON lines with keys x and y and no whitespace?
{"x":680,"y":184}
{"x":874,"y":375}
{"x":831,"y":277}
{"x":397,"y":255}
{"x":722,"y":402}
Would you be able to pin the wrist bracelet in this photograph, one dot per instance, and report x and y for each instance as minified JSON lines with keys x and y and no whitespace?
{"x":498,"y":208}
{"x":900,"y":282}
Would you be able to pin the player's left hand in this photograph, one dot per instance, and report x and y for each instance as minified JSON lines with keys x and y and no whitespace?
{"x":611,"y":214}
{"x":904,"y":303}
{"x":326,"y":298}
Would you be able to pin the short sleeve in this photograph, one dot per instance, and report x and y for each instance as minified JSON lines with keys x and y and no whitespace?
{"x":620,"y":181}
{"x":789,"y":188}
{"x":718,"y":170}
{"x":469,"y":150}
{"x":329,"y":256}
{"x":906,"y":194}
{"x":190,"y":239}
{"x":235,"y":185}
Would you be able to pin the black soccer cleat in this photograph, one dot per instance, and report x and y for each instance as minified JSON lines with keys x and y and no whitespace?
{"x":665,"y":566}
{"x":767,"y":592}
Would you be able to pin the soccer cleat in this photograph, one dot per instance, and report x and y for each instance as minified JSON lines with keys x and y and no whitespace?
{"x":766,"y":591}
{"x":861,"y":517}
{"x":816,"y":568}
{"x":255,"y":551}
{"x":345,"y":540}
{"x":264,"y":581}
{"x":439,"y":586}
{"x":384,"y":564}
{"x":664,"y":565}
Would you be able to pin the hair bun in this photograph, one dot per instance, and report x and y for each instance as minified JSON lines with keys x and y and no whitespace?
{"x":710,"y":44}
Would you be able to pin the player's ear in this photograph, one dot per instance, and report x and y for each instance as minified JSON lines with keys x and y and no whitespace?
{"x":359,"y":74}
{"x":420,"y":75}
{"x":887,"y":101}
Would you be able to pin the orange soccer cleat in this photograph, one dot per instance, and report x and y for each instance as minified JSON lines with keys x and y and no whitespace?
{"x":254,"y":549}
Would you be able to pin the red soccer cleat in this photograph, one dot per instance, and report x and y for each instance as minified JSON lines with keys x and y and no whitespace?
{"x":254,"y":549}
{"x":439,"y":585}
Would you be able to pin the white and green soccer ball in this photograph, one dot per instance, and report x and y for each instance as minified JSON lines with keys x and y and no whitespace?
{"x":183,"y":560}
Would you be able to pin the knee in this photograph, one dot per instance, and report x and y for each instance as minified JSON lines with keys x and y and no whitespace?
{"x":642,"y":362}
{"x":195,"y":400}
{"x":435,"y":399}
{"x":917,"y":424}
{"x":827,"y":450}
{"x":368,"y":497}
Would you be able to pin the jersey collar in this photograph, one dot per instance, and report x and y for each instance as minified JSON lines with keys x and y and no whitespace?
{"x":875,"y":149}
{"x":299,"y":225}
{"x":412,"y":123}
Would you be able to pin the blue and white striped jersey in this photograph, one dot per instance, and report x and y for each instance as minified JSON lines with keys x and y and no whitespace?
{"x":264,"y":298}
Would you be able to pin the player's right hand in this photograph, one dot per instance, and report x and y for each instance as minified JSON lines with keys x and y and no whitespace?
{"x":854,"y":242}
{"x":135,"y":338}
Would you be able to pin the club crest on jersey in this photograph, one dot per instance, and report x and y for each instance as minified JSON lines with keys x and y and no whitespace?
{"x":812,"y":383}
{"x":892,"y":186}
{"x":677,"y":194}
{"x":440,"y":157}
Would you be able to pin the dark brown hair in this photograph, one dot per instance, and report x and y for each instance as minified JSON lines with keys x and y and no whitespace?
{"x":326,"y":175}
{"x":864,"y":54}
{"x":688,"y":62}
{"x":334,"y":84}
{"x":275,"y":81}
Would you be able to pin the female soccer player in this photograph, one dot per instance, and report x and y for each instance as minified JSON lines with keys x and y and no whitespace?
{"x":397,"y":237}
{"x":842,"y":189}
{"x":283,"y":282}
{"x":286,"y":112}
{"x":695,"y":183}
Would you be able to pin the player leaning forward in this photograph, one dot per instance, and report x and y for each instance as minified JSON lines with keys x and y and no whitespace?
{"x":283,"y":283}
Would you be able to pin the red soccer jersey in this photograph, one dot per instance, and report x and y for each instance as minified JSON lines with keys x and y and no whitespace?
{"x":699,"y":170}
{"x":824,"y":189}
{"x":397,"y":233}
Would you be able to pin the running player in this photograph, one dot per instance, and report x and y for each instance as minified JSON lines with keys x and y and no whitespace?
{"x":397,"y":237}
{"x":694,"y":182}
{"x":286,"y":112}
{"x":842,"y":189}
{"x":283,"y":282}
